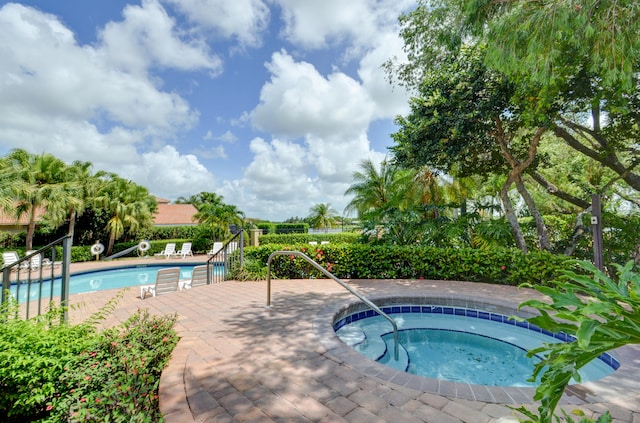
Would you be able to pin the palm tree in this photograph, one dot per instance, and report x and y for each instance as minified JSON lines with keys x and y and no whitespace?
{"x":82,"y":186}
{"x":41,"y":185}
{"x":130,"y":207}
{"x":214,"y":213}
{"x":375,"y":189}
{"x":323,"y":216}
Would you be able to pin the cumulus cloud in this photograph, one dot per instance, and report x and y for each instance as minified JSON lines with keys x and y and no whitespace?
{"x":299,"y":101}
{"x":73,"y":101}
{"x":185,"y":173}
{"x":244,"y":20}
{"x":148,"y":36}
{"x":313,"y":24}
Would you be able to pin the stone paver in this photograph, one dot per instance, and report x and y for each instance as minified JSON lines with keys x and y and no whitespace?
{"x":240,"y":361}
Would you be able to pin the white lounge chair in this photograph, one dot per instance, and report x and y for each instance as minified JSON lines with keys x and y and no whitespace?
{"x":38,"y":261}
{"x":34,"y":262}
{"x":313,"y":242}
{"x":167,"y":281}
{"x":198,"y":278}
{"x":169,"y":250}
{"x":324,"y":242}
{"x":10,"y":257}
{"x":217,"y":246}
{"x":184,"y":251}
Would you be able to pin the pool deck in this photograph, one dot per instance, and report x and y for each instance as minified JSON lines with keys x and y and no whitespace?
{"x":239,"y":361}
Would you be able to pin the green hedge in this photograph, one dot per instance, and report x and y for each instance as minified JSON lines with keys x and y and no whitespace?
{"x":348,"y":237}
{"x":356,"y":261}
{"x":283,"y":228}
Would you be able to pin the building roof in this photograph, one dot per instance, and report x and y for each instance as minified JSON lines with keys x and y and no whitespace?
{"x":175,"y":214}
{"x":9,"y":219}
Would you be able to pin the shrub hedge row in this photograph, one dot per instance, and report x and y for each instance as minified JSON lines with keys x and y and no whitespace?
{"x":348,"y":237}
{"x":356,"y":261}
{"x":282,"y":228}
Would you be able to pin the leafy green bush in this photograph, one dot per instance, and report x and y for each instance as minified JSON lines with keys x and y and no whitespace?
{"x":357,"y":261}
{"x":117,"y":378}
{"x":253,"y":270}
{"x":52,"y":371}
{"x":33,"y":355}
{"x":348,"y":237}
{"x":600,"y":312}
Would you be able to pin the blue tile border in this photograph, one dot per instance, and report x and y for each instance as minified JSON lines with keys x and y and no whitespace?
{"x":466,"y":312}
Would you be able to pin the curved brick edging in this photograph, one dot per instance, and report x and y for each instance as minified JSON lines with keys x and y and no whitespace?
{"x":239,"y":361}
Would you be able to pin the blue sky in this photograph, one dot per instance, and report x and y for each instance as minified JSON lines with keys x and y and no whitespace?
{"x":270,"y":103}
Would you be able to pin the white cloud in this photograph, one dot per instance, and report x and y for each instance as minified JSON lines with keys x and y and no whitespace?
{"x":72,"y":101}
{"x":244,"y":20}
{"x":227,"y":137}
{"x":299,"y":101}
{"x":169,"y":174}
{"x":148,"y":36}
{"x":315,"y":24}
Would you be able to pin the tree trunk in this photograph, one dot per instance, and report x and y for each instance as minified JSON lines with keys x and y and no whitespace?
{"x":72,"y":224}
{"x":31,"y":228}
{"x":541,"y":228}
{"x":112,"y":241}
{"x":511,"y":216}
{"x":578,"y":231}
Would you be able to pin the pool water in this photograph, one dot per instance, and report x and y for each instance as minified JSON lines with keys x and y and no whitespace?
{"x":121,"y":277}
{"x":455,"y":347}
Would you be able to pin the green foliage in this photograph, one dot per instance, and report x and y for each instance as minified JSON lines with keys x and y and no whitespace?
{"x":33,"y":355}
{"x":253,"y":270}
{"x":301,"y":238}
{"x":52,"y":371}
{"x":117,"y":377}
{"x":357,"y":261}
{"x":323,"y":216}
{"x":168,"y":232}
{"x":283,"y":228}
{"x":600,"y":312}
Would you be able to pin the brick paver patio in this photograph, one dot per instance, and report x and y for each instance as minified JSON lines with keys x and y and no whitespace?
{"x":239,"y":361}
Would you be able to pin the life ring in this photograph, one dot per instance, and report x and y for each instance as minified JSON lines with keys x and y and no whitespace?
{"x":97,"y":249}
{"x":144,"y":246}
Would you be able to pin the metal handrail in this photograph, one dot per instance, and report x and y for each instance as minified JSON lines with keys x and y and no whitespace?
{"x":223,"y":256}
{"x":344,"y":285}
{"x":36,"y":280}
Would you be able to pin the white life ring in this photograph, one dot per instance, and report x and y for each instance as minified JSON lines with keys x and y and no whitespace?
{"x":144,"y":246}
{"x":97,"y":249}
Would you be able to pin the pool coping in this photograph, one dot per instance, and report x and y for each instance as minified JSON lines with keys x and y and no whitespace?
{"x":623,"y":383}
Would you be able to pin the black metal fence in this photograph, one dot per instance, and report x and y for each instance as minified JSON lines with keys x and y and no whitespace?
{"x":38,"y":279}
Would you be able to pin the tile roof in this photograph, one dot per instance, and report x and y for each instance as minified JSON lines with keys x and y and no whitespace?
{"x":9,"y":219}
{"x":175,"y":214}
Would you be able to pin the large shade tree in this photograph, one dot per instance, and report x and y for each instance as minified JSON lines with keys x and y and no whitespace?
{"x":595,"y":118}
{"x":586,"y":86}
{"x":464,"y":123}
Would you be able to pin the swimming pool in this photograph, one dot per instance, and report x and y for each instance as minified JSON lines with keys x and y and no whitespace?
{"x":456,"y":344}
{"x":113,"y":278}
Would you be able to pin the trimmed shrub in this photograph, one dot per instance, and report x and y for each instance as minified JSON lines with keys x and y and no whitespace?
{"x":348,"y":237}
{"x":357,"y":261}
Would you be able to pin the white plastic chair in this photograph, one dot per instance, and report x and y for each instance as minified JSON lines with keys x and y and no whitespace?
{"x":169,"y":250}
{"x":167,"y":281}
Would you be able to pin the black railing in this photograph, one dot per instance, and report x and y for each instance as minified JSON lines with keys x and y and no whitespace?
{"x":226,"y":258}
{"x":41,"y":274}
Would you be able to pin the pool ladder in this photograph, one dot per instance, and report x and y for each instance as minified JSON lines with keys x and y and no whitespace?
{"x":344,"y":285}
